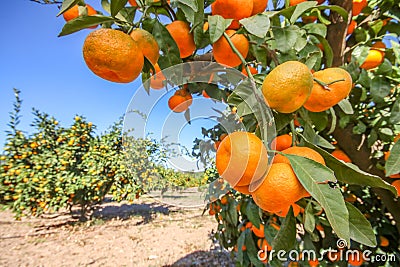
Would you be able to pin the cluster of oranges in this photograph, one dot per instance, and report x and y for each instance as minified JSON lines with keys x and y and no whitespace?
{"x":180,"y":101}
{"x":291,"y":85}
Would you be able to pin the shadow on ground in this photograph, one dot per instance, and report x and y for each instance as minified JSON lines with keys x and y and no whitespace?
{"x":204,"y":258}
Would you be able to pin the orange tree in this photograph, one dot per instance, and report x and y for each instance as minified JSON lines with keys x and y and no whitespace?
{"x":349,"y":103}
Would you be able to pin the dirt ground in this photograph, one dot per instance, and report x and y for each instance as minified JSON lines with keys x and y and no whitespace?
{"x":145,"y":233}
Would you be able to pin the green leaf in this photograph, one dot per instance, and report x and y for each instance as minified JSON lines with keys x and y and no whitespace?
{"x":217,"y":27}
{"x":341,"y":11}
{"x":240,"y":244}
{"x":190,"y":3}
{"x":80,"y":23}
{"x":309,"y":219}
{"x":328,"y":52}
{"x":300,"y":9}
{"x":189,"y":13}
{"x":259,"y":51}
{"x":319,"y":119}
{"x":360,"y":128}
{"x":380,"y":88}
{"x":282,"y":120}
{"x":170,"y":55}
{"x":253,"y":214}
{"x":232,"y":213}
{"x":316,"y":29}
{"x":257,"y":25}
{"x":199,"y":36}
{"x":67,"y":4}
{"x":395,"y":112}
{"x":286,"y":38}
{"x":360,"y":228}
{"x":316,"y":139}
{"x":392,"y":165}
{"x":345,"y":105}
{"x":116,"y":6}
{"x":286,"y":237}
{"x":252,"y":250}
{"x":315,"y":177}
{"x":350,"y":173}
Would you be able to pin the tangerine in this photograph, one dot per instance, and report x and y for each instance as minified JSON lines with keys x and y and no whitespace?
{"x":358,"y":6}
{"x":113,"y":55}
{"x":299,"y":151}
{"x":74,"y":12}
{"x":147,"y":43}
{"x":282,"y":142}
{"x":396,"y":184}
{"x":224,"y":54}
{"x":340,"y":155}
{"x":259,"y":6}
{"x":241,"y":158}
{"x":157,"y":81}
{"x":337,"y":85}
{"x":180,"y":32}
{"x":232,"y":9}
{"x":287,"y":87}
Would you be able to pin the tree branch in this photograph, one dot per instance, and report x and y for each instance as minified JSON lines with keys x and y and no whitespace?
{"x":337,"y":31}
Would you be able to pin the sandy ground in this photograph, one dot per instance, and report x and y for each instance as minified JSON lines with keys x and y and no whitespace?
{"x":140,"y":234}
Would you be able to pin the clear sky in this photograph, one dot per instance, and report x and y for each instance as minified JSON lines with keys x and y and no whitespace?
{"x":50,"y":70}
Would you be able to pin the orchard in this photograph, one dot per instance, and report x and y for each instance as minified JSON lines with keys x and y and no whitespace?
{"x":323,"y":74}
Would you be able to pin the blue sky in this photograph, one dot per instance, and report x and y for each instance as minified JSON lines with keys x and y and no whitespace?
{"x":50,"y":70}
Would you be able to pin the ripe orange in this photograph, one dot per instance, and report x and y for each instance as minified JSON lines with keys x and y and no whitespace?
{"x":396,"y":138}
{"x":180,"y":32}
{"x":263,"y":244}
{"x":282,"y":142}
{"x":241,"y":158}
{"x":224,"y":200}
{"x":339,"y":154}
{"x":252,"y":70}
{"x":205,"y":95}
{"x":375,"y":56}
{"x":243,"y":189}
{"x":232,"y":9}
{"x":355,"y":259}
{"x":308,"y":19}
{"x":133,"y":2}
{"x":299,"y":151}
{"x":384,"y":242}
{"x":113,"y":55}
{"x":157,"y":81}
{"x":147,"y":43}
{"x":279,"y":189}
{"x":180,"y":101}
{"x":284,"y":212}
{"x":295,"y":2}
{"x":259,"y":232}
{"x":287,"y":87}
{"x":339,"y":85}
{"x":358,"y":6}
{"x":313,"y":263}
{"x":351,"y":27}
{"x":397,"y":185}
{"x":259,"y":6}
{"x":73,"y":13}
{"x":224,"y":54}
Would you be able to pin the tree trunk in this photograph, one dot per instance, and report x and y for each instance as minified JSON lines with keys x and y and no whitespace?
{"x":352,"y":144}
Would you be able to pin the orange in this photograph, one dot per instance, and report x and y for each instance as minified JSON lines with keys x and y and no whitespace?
{"x":73,"y":13}
{"x":358,"y":6}
{"x":397,"y":185}
{"x":180,"y":32}
{"x":252,"y":70}
{"x":282,"y":142}
{"x":204,"y":93}
{"x":340,"y":155}
{"x":180,"y":101}
{"x":351,"y":198}
{"x":355,"y":258}
{"x":157,"y":81}
{"x":299,"y":151}
{"x":133,"y":2}
{"x":232,"y":9}
{"x":241,"y":158}
{"x":263,"y":244}
{"x":373,"y":60}
{"x":224,"y":54}
{"x":279,"y":189}
{"x":375,"y":56}
{"x":243,"y":189}
{"x":224,"y":200}
{"x":396,"y":138}
{"x":259,"y":6}
{"x":313,"y":263}
{"x":384,"y":242}
{"x":295,"y":2}
{"x":113,"y":55}
{"x":287,"y":87}
{"x":259,"y":232}
{"x":284,"y":212}
{"x":338,"y":85}
{"x":308,"y":19}
{"x":147,"y":43}
{"x":351,"y":27}
{"x":223,"y":136}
